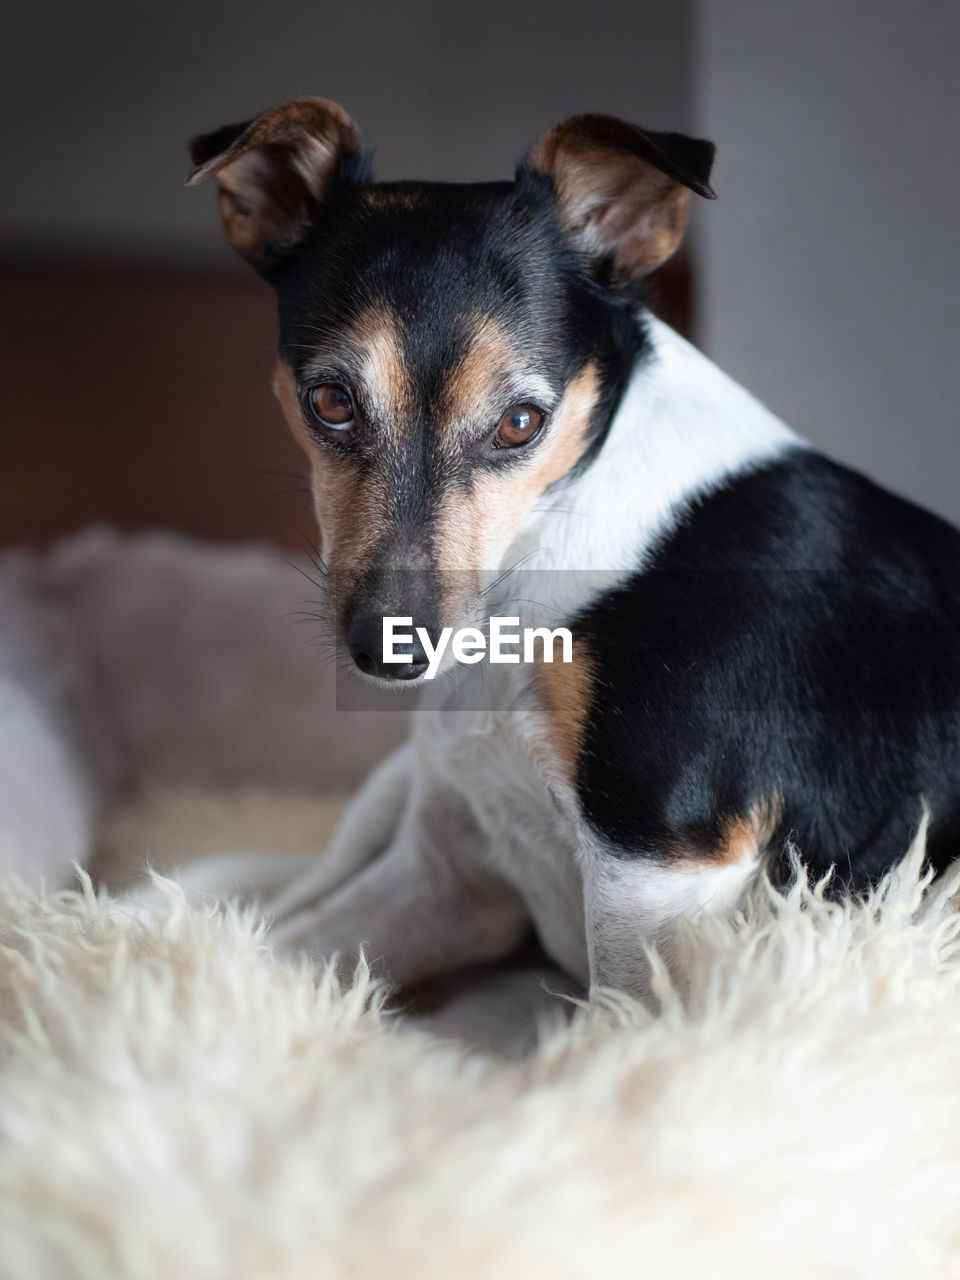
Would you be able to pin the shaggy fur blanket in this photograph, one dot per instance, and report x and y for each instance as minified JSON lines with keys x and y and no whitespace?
{"x":176,"y":1102}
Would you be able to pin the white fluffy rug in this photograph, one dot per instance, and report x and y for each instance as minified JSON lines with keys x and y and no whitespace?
{"x":174,"y":1102}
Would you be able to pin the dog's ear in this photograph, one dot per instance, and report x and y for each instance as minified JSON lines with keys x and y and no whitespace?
{"x":273,"y":172}
{"x":623,"y":193}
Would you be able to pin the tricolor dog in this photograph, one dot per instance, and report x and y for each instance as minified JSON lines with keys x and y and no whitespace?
{"x":766,"y":645}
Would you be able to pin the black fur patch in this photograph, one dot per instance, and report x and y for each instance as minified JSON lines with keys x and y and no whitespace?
{"x":798,"y":633}
{"x":207,"y":145}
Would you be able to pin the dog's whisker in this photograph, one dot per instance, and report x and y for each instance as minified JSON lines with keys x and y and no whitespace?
{"x":312,"y":550}
{"x":303,"y":573}
{"x":550,"y":509}
{"x":485,"y":591}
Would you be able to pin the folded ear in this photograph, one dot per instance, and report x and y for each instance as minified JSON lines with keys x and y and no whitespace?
{"x":273,"y":172}
{"x":623,"y":193}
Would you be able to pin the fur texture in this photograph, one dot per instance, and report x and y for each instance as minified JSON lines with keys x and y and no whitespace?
{"x":155,"y":656}
{"x":175,"y":1101}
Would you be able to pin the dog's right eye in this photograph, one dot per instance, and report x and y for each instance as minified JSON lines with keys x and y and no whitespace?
{"x":331,"y":405}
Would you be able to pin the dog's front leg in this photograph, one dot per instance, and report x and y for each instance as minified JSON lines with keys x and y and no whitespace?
{"x":427,"y":905}
{"x":369,"y":825}
{"x":635,"y":903}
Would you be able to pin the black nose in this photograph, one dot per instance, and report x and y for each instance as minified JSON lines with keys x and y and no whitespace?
{"x":365,"y":642}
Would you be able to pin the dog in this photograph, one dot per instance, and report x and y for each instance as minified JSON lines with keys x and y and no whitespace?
{"x":766,"y":645}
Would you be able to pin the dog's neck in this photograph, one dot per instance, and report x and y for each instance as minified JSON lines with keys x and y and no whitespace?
{"x":682,"y":428}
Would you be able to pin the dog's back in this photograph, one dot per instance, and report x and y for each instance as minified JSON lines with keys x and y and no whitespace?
{"x":792,"y":651}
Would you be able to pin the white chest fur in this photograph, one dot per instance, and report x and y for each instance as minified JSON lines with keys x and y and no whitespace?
{"x":525,"y":813}
{"x":682,"y":429}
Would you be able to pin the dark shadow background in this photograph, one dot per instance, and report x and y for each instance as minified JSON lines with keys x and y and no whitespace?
{"x":136,"y":352}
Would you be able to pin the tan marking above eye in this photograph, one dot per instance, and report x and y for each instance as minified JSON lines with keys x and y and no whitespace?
{"x":375,"y":335}
{"x":473,"y":391}
{"x":372,"y":352}
{"x":518,"y":426}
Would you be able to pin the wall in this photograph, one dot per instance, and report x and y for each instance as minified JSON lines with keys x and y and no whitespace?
{"x":103,"y":96}
{"x":831,"y":271}
{"x":135,"y":348}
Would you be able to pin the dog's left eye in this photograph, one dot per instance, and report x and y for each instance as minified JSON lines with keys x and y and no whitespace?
{"x":518,"y":426}
{"x":331,"y":405}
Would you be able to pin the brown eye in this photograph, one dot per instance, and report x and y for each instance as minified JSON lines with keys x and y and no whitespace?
{"x":331,"y":404}
{"x":518,"y":426}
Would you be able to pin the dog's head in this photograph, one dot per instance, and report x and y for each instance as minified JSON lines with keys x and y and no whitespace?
{"x":448,"y":353}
